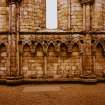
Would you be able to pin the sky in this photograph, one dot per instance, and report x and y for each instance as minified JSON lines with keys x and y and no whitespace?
{"x":51,"y":14}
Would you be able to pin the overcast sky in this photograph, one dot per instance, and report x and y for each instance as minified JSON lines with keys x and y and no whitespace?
{"x":51,"y":14}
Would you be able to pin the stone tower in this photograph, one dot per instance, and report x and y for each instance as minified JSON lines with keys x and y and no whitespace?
{"x":74,"y":51}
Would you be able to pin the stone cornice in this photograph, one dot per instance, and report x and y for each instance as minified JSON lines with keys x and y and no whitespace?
{"x":86,"y":1}
{"x":54,"y":33}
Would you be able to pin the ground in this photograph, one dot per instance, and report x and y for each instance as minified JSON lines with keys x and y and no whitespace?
{"x":55,"y":94}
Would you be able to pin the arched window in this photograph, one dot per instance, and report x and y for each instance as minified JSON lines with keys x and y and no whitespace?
{"x":51,"y":14}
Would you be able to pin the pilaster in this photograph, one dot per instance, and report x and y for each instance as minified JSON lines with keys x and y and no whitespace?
{"x":88,"y":67}
{"x":13,"y":36}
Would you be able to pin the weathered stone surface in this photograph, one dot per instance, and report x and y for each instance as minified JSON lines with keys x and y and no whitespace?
{"x":75,"y":48}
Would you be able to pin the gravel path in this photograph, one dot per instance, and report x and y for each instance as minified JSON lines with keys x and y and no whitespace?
{"x":66,"y":94}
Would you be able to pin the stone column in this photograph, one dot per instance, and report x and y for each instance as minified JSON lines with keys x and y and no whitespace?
{"x":45,"y":65}
{"x":45,"y":61}
{"x":13,"y":37}
{"x":86,"y":27}
{"x":87,"y":56}
{"x":86,"y":16}
{"x":88,"y":68}
{"x":69,"y":14}
{"x":18,"y":37}
{"x":81,"y":62}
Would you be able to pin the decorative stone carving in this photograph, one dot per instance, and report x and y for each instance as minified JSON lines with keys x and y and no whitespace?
{"x":86,"y":1}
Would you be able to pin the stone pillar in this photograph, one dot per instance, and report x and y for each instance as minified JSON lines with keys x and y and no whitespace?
{"x":13,"y":37}
{"x":45,"y":61}
{"x":84,"y":17}
{"x":3,"y":16}
{"x":69,"y":14}
{"x":87,"y":14}
{"x":88,"y":17}
{"x":88,"y":67}
{"x":87,"y":55}
{"x":45,"y":65}
{"x":18,"y":37}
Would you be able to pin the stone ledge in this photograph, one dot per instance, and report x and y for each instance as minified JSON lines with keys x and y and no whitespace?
{"x":49,"y":81}
{"x":89,"y":80}
{"x":14,"y":78}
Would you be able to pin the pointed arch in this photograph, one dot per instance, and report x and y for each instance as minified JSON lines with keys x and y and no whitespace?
{"x":99,"y":59}
{"x":37,"y":64}
{"x":64,"y":60}
{"x":97,"y":43}
{"x":26,"y":56}
{"x":99,"y":47}
{"x":51,"y":46}
{"x":78,"y":43}
{"x":101,"y":44}
{"x":63,"y":45}
{"x":76,"y":47}
{"x":3,"y":46}
{"x":26,"y":47}
{"x":39,"y":45}
{"x":39,"y":50}
{"x":63,"y":49}
{"x":75,"y":60}
{"x":52,"y":61}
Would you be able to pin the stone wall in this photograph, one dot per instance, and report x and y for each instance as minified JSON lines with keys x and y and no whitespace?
{"x":104,"y":13}
{"x":32,"y":15}
{"x":50,"y":59}
{"x":64,"y":56}
{"x":98,"y":16}
{"x":70,"y":15}
{"x":76,"y":16}
{"x":31,"y":51}
{"x":4,"y":17}
{"x":63,"y":14}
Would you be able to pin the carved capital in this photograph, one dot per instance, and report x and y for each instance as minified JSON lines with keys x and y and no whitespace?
{"x":86,"y":1}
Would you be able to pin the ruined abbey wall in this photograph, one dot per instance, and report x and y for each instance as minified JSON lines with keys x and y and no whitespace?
{"x":75,"y":50}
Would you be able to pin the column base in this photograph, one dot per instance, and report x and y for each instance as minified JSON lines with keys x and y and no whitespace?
{"x":14,"y":80}
{"x":90,"y":76}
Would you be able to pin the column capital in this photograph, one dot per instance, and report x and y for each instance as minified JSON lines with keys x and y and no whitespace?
{"x":86,"y":1}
